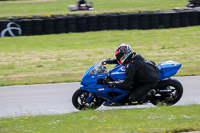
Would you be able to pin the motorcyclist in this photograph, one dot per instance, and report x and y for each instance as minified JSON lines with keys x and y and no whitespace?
{"x":81,"y":2}
{"x":194,"y":3}
{"x":140,"y":75}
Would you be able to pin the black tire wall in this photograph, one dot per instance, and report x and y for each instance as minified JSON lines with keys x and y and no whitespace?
{"x":154,"y":21}
{"x":112,"y":21}
{"x":84,"y":23}
{"x":37,"y":27}
{"x":48,"y":26}
{"x":59,"y":25}
{"x":123,"y":21}
{"x":102,"y":22}
{"x":92,"y":23}
{"x":26,"y":26}
{"x":3,"y":25}
{"x":164,"y":20}
{"x":133,"y":21}
{"x":70,"y":24}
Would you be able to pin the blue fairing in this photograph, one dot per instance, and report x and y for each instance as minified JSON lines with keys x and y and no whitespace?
{"x":168,"y":69}
{"x":118,"y":72}
{"x":87,"y":79}
{"x":90,"y":80}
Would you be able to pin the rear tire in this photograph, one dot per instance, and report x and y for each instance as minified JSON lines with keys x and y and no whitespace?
{"x":79,"y":100}
{"x":169,"y":98}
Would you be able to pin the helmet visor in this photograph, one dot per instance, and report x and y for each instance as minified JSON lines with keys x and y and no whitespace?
{"x":119,"y":57}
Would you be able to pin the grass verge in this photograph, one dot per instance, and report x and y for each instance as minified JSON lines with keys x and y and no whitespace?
{"x":42,"y":7}
{"x":65,"y":57}
{"x":149,"y":120}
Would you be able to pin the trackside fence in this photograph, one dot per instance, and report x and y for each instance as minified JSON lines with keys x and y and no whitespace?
{"x":83,"y":23}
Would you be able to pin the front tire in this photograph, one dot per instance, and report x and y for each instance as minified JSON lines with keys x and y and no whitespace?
{"x":79,"y":100}
{"x":175,"y":93}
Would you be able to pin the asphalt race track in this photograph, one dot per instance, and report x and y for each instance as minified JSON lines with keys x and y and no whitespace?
{"x":46,"y":99}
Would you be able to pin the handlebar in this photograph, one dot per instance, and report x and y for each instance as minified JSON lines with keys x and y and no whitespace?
{"x":103,"y":81}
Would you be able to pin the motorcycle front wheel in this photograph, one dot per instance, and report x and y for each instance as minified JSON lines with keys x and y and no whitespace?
{"x":169,"y":92}
{"x":79,"y":100}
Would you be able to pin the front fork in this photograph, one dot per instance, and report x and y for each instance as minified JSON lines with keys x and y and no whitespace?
{"x":89,"y":98}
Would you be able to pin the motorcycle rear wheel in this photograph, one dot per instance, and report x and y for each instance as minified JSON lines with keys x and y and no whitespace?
{"x":79,"y":100}
{"x":168,"y":98}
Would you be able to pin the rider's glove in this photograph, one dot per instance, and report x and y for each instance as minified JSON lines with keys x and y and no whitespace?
{"x":106,"y":61}
{"x":103,"y":63}
{"x":111,"y":84}
{"x":102,"y":81}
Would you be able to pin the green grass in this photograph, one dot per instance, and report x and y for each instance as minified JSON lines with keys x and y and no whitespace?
{"x":65,"y":57}
{"x":34,"y":7}
{"x":149,"y":120}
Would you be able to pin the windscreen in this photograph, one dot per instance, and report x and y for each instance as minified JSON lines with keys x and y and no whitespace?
{"x":99,"y":69}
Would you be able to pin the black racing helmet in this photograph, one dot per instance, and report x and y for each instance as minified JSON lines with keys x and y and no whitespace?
{"x":122,"y":53}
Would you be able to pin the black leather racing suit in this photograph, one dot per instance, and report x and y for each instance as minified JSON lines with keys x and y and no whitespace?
{"x":140,"y":76}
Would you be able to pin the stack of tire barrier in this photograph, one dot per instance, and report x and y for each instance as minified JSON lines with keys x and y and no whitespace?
{"x":59,"y":23}
{"x":70,"y":23}
{"x":112,"y":21}
{"x":48,"y":26}
{"x":26,"y":26}
{"x":92,"y":23}
{"x":102,"y":22}
{"x":83,"y":23}
{"x":134,"y":21}
{"x":37,"y":28}
{"x":123,"y":21}
{"x":154,"y":20}
{"x":164,"y":20}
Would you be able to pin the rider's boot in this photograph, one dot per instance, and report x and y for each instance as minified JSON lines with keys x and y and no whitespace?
{"x":147,"y":97}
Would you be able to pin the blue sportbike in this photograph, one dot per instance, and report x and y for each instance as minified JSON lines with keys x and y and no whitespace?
{"x":93,"y":93}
